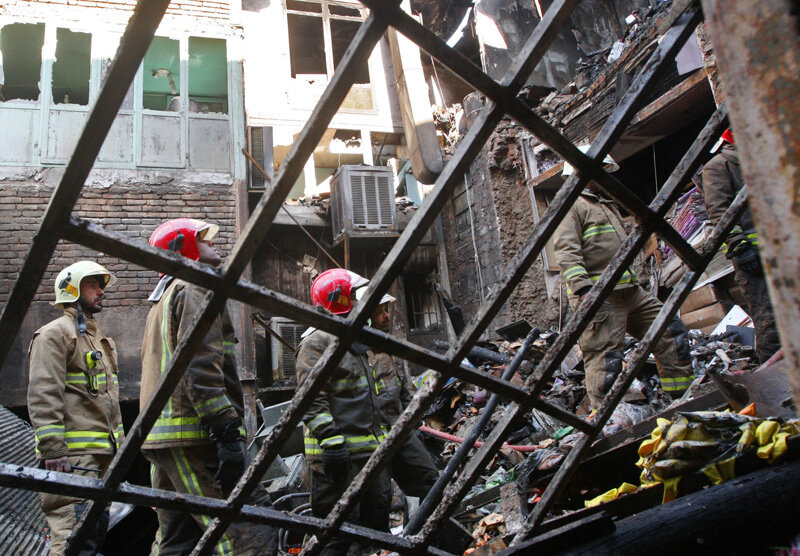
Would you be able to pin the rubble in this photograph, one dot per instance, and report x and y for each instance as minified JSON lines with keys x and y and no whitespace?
{"x":540,"y":443}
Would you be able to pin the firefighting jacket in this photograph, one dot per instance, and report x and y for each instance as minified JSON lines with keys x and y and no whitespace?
{"x":346,"y":411}
{"x":722,"y":180}
{"x":392,"y":386}
{"x":73,"y":398}
{"x":209,"y":391}
{"x":586,"y":241}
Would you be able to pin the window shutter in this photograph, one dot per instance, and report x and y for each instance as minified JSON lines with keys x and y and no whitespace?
{"x":260,"y":143}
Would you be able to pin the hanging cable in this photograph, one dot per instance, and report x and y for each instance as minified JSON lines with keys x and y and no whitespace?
{"x":289,"y":214}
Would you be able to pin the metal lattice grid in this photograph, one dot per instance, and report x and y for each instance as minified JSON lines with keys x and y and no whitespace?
{"x":226,"y":283}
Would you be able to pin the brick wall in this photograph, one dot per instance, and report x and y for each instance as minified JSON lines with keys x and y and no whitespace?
{"x":465,"y":279}
{"x":193,"y":8}
{"x":132,"y":210}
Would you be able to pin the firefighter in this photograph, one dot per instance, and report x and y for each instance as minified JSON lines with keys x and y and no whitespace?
{"x":73,"y":396}
{"x":412,"y":467}
{"x":344,"y":424}
{"x":196,"y":446}
{"x":722,"y":180}
{"x":585,"y":242}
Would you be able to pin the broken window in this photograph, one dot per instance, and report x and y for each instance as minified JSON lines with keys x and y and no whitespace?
{"x":162,"y":75}
{"x":422,"y":301}
{"x":319,"y":34}
{"x":306,"y":45}
{"x":208,"y":75}
{"x":72,"y":67}
{"x":342,"y":32}
{"x":20,"y":61}
{"x":108,"y":47}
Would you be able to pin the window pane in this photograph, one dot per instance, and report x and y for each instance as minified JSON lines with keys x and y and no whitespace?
{"x":72,"y":68}
{"x":333,"y":9}
{"x":300,"y":6}
{"x":208,"y":75}
{"x":108,"y":44}
{"x":21,"y":47}
{"x":342,"y":32}
{"x":162,"y":75}
{"x":306,"y":45}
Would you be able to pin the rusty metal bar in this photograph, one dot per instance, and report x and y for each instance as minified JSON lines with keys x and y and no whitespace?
{"x":367,"y":36}
{"x":248,"y":243}
{"x":432,"y":498}
{"x":473,"y":76}
{"x":94,"y":236}
{"x":227,"y":283}
{"x":758,"y":55}
{"x":633,"y":244}
{"x":31,"y":478}
{"x":135,"y":41}
{"x":641,"y":86}
{"x":637,"y":359}
{"x":535,"y":48}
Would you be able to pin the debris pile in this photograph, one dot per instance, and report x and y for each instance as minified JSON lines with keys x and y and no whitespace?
{"x":497,"y":505}
{"x":447,"y":120}
{"x":593,"y":88}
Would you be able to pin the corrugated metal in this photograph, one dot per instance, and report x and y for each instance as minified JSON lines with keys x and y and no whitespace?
{"x":22,"y":523}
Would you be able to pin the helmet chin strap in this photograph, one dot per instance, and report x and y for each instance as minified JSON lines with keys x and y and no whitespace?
{"x":81,"y":319}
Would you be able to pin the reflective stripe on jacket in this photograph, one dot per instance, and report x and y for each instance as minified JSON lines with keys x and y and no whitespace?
{"x":209,"y":390}
{"x":587,"y":239}
{"x":722,"y":181}
{"x":346,"y":411}
{"x":73,"y":409}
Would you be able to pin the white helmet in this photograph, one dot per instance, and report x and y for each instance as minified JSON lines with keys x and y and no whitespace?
{"x":385,"y":299}
{"x":609,"y":165}
{"x":68,"y":282}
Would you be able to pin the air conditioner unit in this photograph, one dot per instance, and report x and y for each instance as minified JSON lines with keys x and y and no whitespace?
{"x":259,"y":144}
{"x":283,"y":362}
{"x":362,"y":202}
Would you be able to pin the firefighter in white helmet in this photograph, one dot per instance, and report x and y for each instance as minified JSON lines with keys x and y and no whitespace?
{"x":73,"y":396}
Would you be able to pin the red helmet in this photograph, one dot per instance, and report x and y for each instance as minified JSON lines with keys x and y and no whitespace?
{"x":182,"y":235}
{"x":333,"y":288}
{"x":727,"y":135}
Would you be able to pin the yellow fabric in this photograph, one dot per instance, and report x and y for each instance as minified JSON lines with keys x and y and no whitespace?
{"x":721,"y":471}
{"x":670,"y":489}
{"x":624,"y":488}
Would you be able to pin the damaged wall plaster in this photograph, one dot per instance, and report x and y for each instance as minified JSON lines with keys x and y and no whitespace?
{"x":530,"y":300}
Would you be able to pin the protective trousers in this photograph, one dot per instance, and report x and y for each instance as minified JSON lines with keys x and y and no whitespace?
{"x":190,"y":470}
{"x":375,"y":501}
{"x":632,"y":310}
{"x":759,"y":307}
{"x":413,"y":469}
{"x":63,"y":512}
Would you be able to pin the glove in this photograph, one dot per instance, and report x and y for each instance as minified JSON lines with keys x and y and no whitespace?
{"x":58,"y":464}
{"x":230,"y":452}
{"x":336,"y":462}
{"x":746,"y":258}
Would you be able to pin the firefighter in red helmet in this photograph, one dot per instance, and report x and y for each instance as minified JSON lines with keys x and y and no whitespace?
{"x":722,"y":180}
{"x":344,"y":424}
{"x":196,"y":446}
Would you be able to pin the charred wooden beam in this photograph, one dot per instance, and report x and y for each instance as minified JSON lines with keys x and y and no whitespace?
{"x":701,"y":522}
